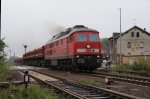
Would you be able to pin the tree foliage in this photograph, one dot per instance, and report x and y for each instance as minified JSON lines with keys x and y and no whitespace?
{"x":2,"y":46}
{"x":105,"y":45}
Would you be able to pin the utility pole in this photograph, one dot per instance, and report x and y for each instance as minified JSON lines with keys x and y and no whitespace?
{"x":14,"y":54}
{"x":9,"y":56}
{"x":0,"y":24}
{"x":120,"y":60}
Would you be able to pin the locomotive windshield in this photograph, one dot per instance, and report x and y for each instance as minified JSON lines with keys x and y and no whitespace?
{"x":81,"y":37}
{"x":94,"y":37}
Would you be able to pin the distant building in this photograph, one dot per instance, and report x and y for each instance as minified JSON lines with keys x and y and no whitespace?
{"x":135,"y":43}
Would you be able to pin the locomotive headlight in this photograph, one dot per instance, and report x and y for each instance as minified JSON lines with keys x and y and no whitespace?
{"x":77,"y":56}
{"x":98,"y":56}
{"x":88,"y":46}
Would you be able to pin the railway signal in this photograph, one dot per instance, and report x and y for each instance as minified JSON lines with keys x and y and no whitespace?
{"x":25,"y":47}
{"x":26,"y":79}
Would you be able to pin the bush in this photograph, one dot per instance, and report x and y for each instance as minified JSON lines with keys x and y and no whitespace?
{"x":4,"y":68}
{"x":4,"y":94}
{"x":2,"y":46}
{"x":32,"y":92}
{"x":141,"y":64}
{"x":4,"y":71}
{"x":120,"y":68}
{"x":36,"y":92}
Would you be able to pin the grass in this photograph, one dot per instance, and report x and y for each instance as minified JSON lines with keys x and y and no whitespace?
{"x":4,"y":71}
{"x":4,"y":94}
{"x":36,"y":92}
{"x":32,"y":92}
{"x":122,"y":67}
{"x":140,"y":66}
{"x":92,"y":82}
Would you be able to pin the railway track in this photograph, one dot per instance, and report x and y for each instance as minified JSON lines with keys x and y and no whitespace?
{"x":144,"y":74}
{"x":78,"y":90}
{"x":133,"y":80}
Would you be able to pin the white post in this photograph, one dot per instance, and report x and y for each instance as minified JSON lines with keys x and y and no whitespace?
{"x":120,"y":40}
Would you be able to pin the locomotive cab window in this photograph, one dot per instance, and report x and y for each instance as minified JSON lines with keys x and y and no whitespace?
{"x":94,"y":37}
{"x":81,"y":37}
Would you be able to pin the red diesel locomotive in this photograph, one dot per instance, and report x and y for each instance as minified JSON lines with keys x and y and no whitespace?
{"x":76,"y":48}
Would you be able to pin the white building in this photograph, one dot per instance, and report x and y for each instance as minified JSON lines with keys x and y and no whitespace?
{"x":135,"y":43}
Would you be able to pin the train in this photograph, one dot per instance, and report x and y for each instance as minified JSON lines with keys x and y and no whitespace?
{"x":76,"y":48}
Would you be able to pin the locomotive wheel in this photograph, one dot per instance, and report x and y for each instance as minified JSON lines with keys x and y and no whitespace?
{"x":72,"y":69}
{"x":80,"y":69}
{"x":90,"y":69}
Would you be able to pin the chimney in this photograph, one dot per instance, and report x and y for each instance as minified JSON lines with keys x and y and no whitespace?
{"x":144,"y":29}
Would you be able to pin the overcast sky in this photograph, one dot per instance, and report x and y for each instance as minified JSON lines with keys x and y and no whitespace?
{"x":34,"y":22}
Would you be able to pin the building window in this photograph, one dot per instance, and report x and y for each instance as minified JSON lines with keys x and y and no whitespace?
{"x":132,"y":34}
{"x":142,"y":51}
{"x":129,"y":54}
{"x":137,"y":34}
{"x":141,"y":44}
{"x":129,"y":45}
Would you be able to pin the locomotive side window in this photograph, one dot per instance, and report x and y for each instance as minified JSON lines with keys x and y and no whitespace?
{"x":93,"y":37}
{"x":57,"y":43}
{"x":52,"y":44}
{"x":62,"y":42}
{"x":71,"y":39}
{"x":81,"y":37}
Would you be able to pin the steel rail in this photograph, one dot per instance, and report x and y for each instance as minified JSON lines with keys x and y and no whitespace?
{"x":72,"y":94}
{"x":108,"y":92}
{"x":128,"y":77}
{"x":133,"y":80}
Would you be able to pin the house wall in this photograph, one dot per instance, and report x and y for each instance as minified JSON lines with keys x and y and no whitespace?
{"x":133,"y":59}
{"x":136,"y":48}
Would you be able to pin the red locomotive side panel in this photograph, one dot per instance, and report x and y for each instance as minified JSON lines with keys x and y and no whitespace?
{"x":36,"y":53}
{"x":56,"y":49}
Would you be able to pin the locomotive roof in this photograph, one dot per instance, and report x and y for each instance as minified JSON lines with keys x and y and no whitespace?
{"x":69,"y":31}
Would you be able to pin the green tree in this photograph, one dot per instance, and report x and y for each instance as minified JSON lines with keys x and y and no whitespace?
{"x":105,"y":46}
{"x":2,"y":46}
